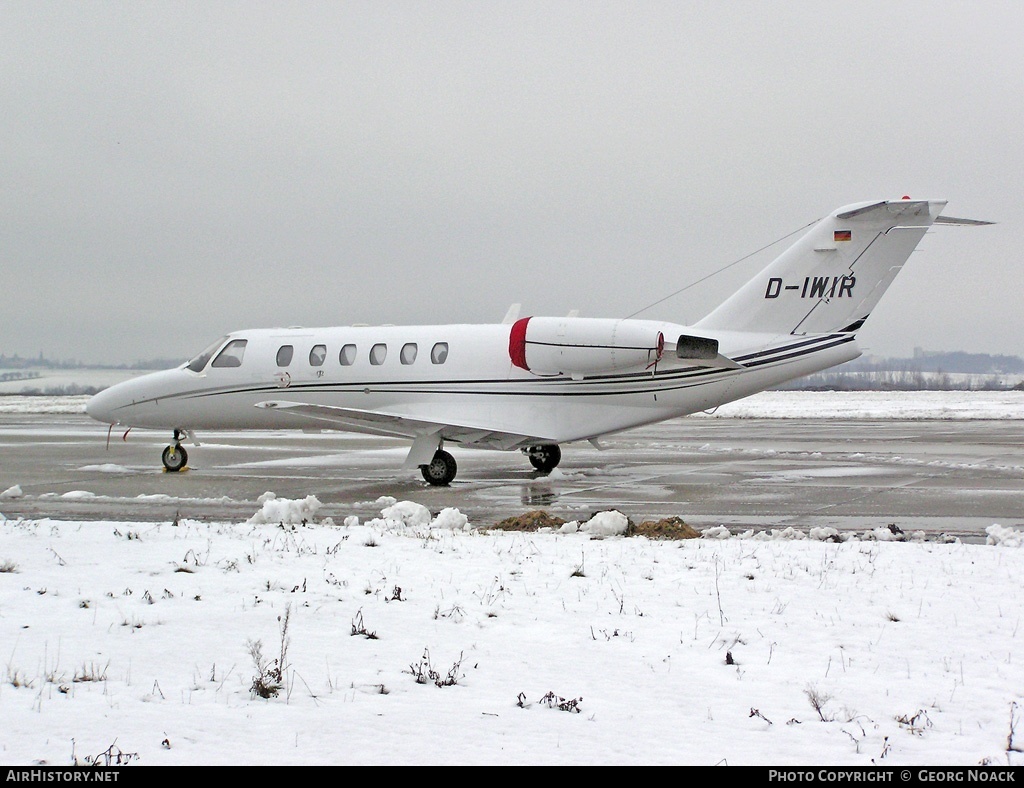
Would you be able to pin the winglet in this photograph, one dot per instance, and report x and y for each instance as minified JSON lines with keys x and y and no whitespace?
{"x":512,"y":315}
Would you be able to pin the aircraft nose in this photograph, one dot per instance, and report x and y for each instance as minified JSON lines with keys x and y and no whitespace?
{"x":114,"y":405}
{"x":101,"y":406}
{"x":137,"y":402}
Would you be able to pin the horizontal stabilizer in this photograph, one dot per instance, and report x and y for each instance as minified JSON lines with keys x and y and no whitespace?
{"x":860,"y":211}
{"x":893,"y":208}
{"x":962,"y":222}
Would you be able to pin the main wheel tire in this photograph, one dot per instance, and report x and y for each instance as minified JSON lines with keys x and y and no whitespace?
{"x":174,"y":458}
{"x":545,"y":458}
{"x":441,"y":470}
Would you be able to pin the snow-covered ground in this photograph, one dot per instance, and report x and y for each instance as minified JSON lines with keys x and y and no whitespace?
{"x":877,"y":405}
{"x":414,"y":638}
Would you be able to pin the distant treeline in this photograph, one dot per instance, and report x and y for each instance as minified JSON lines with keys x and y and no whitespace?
{"x":956,"y":371}
{"x":39,"y":362}
{"x":901,"y":381}
{"x":956,"y":361}
{"x":71,"y":390}
{"x":25,"y":375}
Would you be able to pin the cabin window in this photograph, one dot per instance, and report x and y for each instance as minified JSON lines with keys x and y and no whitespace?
{"x":408,"y":355}
{"x":284,"y":355}
{"x":231,"y":355}
{"x":347,"y":356}
{"x":439,"y":353}
{"x":196,"y":364}
{"x":317,"y":355}
{"x":378,"y":353}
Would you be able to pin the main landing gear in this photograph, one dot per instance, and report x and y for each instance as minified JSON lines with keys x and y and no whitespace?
{"x":175,"y":457}
{"x":544,"y":458}
{"x":441,"y":469}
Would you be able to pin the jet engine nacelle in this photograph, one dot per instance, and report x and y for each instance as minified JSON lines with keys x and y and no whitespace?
{"x":583,"y":346}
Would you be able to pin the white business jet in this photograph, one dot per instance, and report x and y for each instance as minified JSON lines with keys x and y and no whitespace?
{"x":536,"y":383}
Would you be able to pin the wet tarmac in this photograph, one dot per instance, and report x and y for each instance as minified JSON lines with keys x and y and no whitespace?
{"x":941,"y":477}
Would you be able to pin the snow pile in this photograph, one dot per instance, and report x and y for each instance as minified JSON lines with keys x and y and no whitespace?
{"x":452,"y":519}
{"x":1001,"y":536}
{"x":791,"y":534}
{"x":890,"y":533}
{"x":107,"y":467}
{"x":285,"y":510}
{"x":610,"y":523}
{"x":12,"y":492}
{"x":787,"y":534}
{"x":396,"y":514}
{"x":407,"y":513}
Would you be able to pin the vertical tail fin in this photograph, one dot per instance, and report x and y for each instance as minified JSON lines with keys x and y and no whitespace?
{"x":833,"y":277}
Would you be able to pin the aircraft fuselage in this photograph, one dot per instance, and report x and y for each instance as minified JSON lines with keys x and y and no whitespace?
{"x":452,"y":374}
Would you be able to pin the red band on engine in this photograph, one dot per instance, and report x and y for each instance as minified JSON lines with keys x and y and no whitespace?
{"x":659,"y":349}
{"x":517,"y":343}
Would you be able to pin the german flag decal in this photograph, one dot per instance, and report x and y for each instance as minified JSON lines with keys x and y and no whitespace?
{"x":842,"y":235}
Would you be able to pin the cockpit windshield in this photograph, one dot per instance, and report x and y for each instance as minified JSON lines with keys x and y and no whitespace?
{"x":231,"y":355}
{"x":199,"y":362}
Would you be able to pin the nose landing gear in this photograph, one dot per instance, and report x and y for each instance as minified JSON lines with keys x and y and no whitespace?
{"x":174,"y":457}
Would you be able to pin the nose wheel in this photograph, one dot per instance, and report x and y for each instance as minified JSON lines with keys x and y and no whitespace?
{"x":174,"y":457}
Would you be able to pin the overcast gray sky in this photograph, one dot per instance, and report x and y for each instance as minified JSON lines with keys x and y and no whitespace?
{"x":174,"y":171}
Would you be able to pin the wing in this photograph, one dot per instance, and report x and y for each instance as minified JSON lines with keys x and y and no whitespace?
{"x":427,"y":435}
